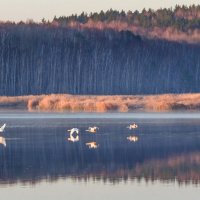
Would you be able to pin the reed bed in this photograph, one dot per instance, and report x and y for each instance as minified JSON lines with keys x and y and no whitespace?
{"x":92,"y":103}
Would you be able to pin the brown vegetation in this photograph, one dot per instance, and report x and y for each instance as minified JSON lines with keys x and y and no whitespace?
{"x":168,"y":33}
{"x":86,"y":103}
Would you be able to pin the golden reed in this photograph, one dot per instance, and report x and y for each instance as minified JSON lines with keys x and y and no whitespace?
{"x":92,"y":103}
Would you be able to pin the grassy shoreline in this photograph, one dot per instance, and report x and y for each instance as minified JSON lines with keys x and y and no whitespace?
{"x":92,"y":103}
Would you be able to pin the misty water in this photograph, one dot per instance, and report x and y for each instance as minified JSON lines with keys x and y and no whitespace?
{"x":38,"y":161}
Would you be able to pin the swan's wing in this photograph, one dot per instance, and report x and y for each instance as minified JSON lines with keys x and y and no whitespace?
{"x":73,"y":130}
{"x":3,"y":127}
{"x":89,"y":143}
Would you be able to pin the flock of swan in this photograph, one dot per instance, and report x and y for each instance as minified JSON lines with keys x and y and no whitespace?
{"x":74,"y":135}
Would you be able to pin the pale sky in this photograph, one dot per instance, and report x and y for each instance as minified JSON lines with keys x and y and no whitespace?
{"x":16,"y":10}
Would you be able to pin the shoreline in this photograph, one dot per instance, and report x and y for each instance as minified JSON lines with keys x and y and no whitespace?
{"x":104,"y":103}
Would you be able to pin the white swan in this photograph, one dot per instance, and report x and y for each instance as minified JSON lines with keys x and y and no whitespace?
{"x":3,"y":141}
{"x":132,"y":126}
{"x":71,"y":136}
{"x":92,"y":145}
{"x":92,"y":129}
{"x":132,"y":138}
{"x":73,"y":130}
{"x":2,"y":128}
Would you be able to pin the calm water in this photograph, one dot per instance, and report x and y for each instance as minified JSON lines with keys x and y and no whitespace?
{"x":39,"y":162}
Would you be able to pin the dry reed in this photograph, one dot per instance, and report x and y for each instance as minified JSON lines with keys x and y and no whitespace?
{"x":86,"y":103}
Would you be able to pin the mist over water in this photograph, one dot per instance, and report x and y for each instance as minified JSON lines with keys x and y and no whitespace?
{"x":38,"y":155}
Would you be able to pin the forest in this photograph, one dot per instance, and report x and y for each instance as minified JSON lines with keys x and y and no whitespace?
{"x":42,"y":59}
{"x":181,"y":17}
{"x":181,"y":23}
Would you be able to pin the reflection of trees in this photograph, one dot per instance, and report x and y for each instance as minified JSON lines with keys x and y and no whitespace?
{"x":182,"y":168}
{"x":76,"y":162}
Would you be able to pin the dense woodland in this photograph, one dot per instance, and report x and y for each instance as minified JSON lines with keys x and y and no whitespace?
{"x":148,"y":52}
{"x":181,"y":18}
{"x":181,"y":23}
{"x":42,"y":59}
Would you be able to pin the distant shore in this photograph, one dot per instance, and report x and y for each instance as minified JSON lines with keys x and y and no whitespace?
{"x":92,"y":103}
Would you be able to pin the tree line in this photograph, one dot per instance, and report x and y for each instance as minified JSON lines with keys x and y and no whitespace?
{"x":181,"y":18}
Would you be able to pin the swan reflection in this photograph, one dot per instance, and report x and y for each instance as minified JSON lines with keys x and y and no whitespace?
{"x":3,"y":141}
{"x":92,"y":145}
{"x":73,"y":139}
{"x":132,"y":138}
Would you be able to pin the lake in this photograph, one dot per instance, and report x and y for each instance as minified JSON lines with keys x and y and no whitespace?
{"x":37,"y":161}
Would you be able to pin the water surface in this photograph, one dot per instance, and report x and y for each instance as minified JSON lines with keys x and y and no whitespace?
{"x":39,"y":162}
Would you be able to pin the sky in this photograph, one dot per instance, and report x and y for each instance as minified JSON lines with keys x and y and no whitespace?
{"x":17,"y":10}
